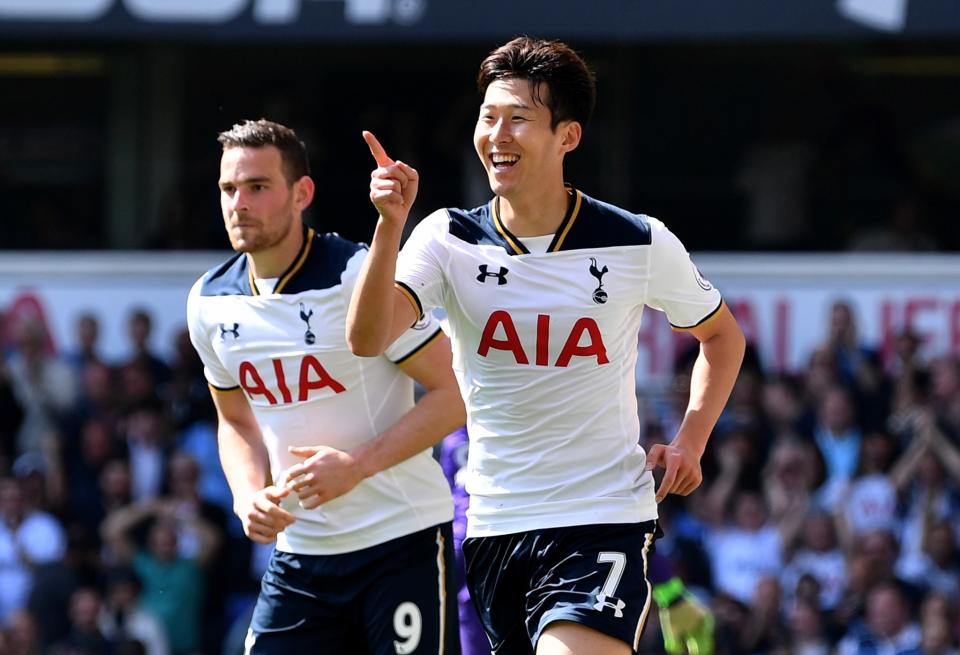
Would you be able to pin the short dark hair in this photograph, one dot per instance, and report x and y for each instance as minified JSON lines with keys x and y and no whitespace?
{"x":571,"y":84}
{"x":260,"y":133}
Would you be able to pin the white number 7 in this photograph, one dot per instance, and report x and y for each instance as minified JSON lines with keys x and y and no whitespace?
{"x":618,"y":561}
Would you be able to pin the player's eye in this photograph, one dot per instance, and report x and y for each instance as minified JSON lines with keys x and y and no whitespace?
{"x":229,"y":190}
{"x":258,"y":187}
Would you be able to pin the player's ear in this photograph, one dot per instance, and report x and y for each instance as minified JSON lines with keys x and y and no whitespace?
{"x":571,"y":131}
{"x":303,"y":190}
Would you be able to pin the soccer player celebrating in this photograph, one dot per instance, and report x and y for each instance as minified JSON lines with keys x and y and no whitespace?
{"x":325,"y":452}
{"x":544,"y":288}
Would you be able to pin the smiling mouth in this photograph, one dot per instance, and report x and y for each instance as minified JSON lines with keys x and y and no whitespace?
{"x":503,"y":161}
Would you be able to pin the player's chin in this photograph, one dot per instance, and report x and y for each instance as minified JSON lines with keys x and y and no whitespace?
{"x":243,"y":245}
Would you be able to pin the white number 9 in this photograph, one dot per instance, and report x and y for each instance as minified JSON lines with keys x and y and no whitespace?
{"x":408,"y":624}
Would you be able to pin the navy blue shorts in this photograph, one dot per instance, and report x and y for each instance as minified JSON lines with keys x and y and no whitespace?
{"x":594,"y":575}
{"x":396,"y":598}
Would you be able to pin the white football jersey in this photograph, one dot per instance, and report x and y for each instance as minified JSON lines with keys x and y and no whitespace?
{"x":545,"y":349}
{"x":286,"y":351}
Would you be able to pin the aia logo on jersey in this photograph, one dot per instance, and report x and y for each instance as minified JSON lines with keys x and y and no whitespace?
{"x":485,"y":273}
{"x":309,"y":337}
{"x":311,"y":376}
{"x":599,"y":295}
{"x":224,"y":331}
{"x":585,"y":328}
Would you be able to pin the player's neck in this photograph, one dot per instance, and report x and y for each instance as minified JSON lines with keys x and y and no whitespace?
{"x":535,"y":215}
{"x":273,"y":261}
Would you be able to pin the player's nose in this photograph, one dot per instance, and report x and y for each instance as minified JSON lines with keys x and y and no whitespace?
{"x":500,"y":132}
{"x":239,"y":201}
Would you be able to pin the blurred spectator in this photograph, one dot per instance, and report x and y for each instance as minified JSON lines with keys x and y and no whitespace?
{"x":40,"y":480}
{"x":927,"y":476}
{"x":889,"y":628}
{"x":201,"y":530}
{"x":87,"y":332}
{"x":99,"y":397}
{"x":938,"y":626}
{"x":173,"y":584}
{"x":43,"y":384}
{"x":147,"y":440}
{"x":782,"y":401}
{"x":905,"y":357}
{"x":27,"y":539}
{"x":792,"y":473}
{"x":939,"y":568}
{"x":858,"y":365}
{"x":819,"y":556}
{"x":139,"y":329}
{"x":85,"y":636}
{"x":123,"y":617}
{"x":764,"y":631}
{"x":136,"y":386}
{"x":22,"y":637}
{"x":83,"y":468}
{"x":744,"y":550}
{"x":944,"y":383}
{"x":807,"y":633}
{"x":870,"y":501}
{"x":838,"y":437}
{"x":115,"y":486}
{"x":188,"y":396}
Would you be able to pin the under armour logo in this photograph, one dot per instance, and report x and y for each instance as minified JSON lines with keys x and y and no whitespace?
{"x":599,"y":295}
{"x":224,"y":331}
{"x":604,"y":601}
{"x":501,"y":276}
{"x":308,"y":337}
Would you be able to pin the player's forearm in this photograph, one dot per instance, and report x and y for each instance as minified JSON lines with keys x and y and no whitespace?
{"x":370,"y":316}
{"x":244,"y":460}
{"x":714,"y":374}
{"x":438,"y":413}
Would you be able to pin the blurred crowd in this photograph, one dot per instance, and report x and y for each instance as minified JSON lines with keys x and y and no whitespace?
{"x":116,"y":527}
{"x":828,"y":520}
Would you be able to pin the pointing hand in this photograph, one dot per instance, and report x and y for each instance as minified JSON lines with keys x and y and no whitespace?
{"x":393,"y":184}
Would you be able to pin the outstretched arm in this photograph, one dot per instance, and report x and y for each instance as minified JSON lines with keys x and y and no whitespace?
{"x":379,"y":312}
{"x":327,"y":473}
{"x":714,"y":373}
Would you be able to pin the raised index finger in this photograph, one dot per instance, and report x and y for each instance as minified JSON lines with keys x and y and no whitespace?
{"x":379,"y":154}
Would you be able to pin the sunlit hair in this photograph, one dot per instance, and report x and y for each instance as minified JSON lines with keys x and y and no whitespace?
{"x":261,"y":133}
{"x":571,"y":85}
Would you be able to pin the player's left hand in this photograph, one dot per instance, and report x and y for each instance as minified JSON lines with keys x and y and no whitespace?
{"x":681,"y":470}
{"x":324,"y":474}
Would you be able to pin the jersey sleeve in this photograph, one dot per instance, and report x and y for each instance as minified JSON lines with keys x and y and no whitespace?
{"x":423,"y":333}
{"x":200,"y":336}
{"x":420,"y":264}
{"x":676,"y":286}
{"x":413,"y":340}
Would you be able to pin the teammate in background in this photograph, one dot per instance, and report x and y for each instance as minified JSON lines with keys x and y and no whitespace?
{"x":325,"y":452}
{"x":544,"y":288}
